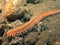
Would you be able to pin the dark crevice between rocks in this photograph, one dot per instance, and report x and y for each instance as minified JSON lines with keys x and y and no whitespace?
{"x":22,"y":17}
{"x":0,"y":42}
{"x":11,"y":18}
{"x":48,"y":43}
{"x":54,"y":0}
{"x":1,"y":31}
{"x":0,"y":10}
{"x":34,"y":1}
{"x":15,"y":44}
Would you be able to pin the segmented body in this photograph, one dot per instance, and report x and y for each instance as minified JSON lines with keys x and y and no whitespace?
{"x":25,"y":27}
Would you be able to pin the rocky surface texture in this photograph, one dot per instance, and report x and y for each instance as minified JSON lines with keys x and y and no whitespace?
{"x":45,"y":32}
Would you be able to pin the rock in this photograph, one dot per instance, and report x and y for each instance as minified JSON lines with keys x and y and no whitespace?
{"x":31,"y":38}
{"x":16,"y":41}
